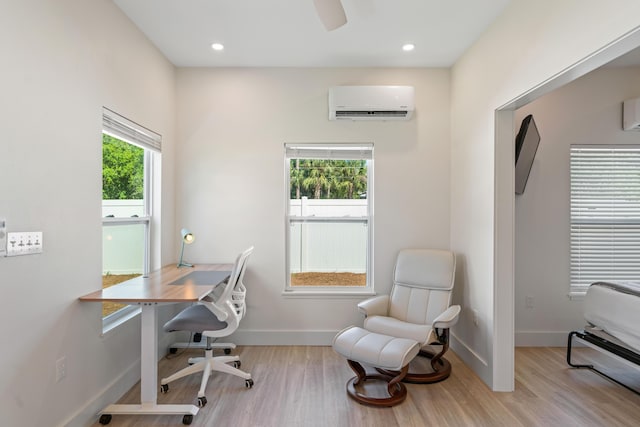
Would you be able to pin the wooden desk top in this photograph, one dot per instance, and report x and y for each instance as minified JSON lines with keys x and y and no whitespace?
{"x":158,"y":286}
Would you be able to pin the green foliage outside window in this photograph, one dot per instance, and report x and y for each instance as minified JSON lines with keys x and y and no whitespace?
{"x":122,"y":170}
{"x":328,"y":179}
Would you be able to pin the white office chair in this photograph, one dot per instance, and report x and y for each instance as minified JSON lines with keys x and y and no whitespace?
{"x":217,"y":315}
{"x":418,"y":308}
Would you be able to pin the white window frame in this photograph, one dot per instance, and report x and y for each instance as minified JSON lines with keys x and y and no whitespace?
{"x":604,"y":215}
{"x":330,"y":151}
{"x":128,"y":131}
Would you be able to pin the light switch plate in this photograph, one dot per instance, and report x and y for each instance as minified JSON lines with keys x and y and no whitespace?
{"x":3,"y":237}
{"x":24,"y":243}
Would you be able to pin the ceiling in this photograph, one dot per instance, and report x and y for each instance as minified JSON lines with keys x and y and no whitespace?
{"x":288,"y":33}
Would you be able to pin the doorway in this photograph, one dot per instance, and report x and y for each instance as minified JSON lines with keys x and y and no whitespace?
{"x":504,"y":208}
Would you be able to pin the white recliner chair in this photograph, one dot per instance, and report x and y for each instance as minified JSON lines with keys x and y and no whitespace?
{"x":398,"y":327}
{"x":418,"y":308}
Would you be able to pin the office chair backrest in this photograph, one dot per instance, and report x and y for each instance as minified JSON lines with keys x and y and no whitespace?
{"x":422,"y":285}
{"x":235,"y":290}
{"x":229,"y":305}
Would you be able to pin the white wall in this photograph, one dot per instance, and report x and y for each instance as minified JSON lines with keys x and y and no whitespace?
{"x":586,"y":111}
{"x":61,"y":63}
{"x":232,"y":126}
{"x":530,"y":43}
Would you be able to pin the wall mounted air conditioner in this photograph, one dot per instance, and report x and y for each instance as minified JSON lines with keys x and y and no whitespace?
{"x":371,"y":102}
{"x":631,"y":114}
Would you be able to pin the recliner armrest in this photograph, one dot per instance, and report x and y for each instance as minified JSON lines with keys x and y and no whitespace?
{"x":447,"y":318}
{"x":376,"y":306}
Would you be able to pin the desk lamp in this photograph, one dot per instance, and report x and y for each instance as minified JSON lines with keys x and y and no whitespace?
{"x":187,"y":237}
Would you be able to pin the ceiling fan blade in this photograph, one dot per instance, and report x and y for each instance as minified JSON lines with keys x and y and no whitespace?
{"x":331,"y":13}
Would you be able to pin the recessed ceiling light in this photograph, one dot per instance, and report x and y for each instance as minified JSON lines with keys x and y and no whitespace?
{"x":408,"y":47}
{"x":217,"y":46}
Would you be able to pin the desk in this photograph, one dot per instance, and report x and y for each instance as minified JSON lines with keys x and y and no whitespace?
{"x":157,"y":289}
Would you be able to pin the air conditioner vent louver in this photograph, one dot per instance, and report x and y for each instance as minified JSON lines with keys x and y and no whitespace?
{"x":371,"y":103}
{"x":350,"y":114}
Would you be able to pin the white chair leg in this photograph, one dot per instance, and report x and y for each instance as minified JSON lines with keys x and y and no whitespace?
{"x":227,"y":359}
{"x":192,"y":369}
{"x":207,"y":365}
{"x":223,"y":359}
{"x":223,"y":367}
{"x":205,"y":377}
{"x":218,"y":363}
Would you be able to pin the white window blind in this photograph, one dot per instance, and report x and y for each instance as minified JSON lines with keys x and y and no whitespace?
{"x":122,"y":128}
{"x":329,"y":151}
{"x":605,"y":214}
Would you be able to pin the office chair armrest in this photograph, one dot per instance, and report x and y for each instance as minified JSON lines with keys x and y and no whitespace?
{"x":220,"y":314}
{"x":447,"y":318}
{"x":376,"y":306}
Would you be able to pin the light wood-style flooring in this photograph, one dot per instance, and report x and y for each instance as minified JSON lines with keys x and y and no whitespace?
{"x":305,"y":386}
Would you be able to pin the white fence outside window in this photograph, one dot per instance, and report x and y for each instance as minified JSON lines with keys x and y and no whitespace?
{"x":123,"y":246}
{"x":317,"y":247}
{"x":337,"y":244}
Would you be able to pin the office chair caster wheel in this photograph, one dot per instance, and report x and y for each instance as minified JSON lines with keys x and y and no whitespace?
{"x":202,"y":401}
{"x":164,"y":388}
{"x":105,"y":419}
{"x":227,"y":351}
{"x":187,"y":419}
{"x":248,"y":383}
{"x":237,"y":364}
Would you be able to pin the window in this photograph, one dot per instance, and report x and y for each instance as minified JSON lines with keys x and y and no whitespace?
{"x":605,"y":214}
{"x":329,"y":213}
{"x":127,"y":166}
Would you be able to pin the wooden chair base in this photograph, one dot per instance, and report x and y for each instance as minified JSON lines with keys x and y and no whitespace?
{"x":441,"y":370}
{"x":397,"y":392}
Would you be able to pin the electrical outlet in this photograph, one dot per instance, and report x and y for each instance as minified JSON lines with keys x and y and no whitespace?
{"x":476,"y":318}
{"x":24,"y":243}
{"x":528,"y":302}
{"x":61,"y":368}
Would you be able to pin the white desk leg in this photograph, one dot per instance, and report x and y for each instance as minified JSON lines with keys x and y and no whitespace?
{"x":149,"y":355}
{"x":149,"y":376}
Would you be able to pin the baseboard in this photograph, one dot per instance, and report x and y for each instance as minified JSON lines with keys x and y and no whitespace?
{"x":541,"y":339}
{"x":113,"y":391}
{"x":471,"y":358}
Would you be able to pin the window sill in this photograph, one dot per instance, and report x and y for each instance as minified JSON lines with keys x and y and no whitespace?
{"x":328,"y":293}
{"x":110,"y":323}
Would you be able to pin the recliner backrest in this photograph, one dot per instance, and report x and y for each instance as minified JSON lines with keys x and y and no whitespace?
{"x":422,"y":285}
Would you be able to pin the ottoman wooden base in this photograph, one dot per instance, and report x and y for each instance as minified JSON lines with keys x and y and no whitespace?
{"x":441,"y":370}
{"x":396,"y":390}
